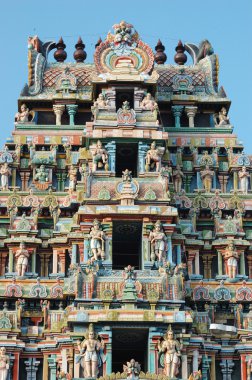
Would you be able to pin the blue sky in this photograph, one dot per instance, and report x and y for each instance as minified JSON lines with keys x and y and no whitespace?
{"x":226,"y":23}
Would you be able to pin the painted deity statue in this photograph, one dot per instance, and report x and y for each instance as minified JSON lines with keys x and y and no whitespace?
{"x":72,"y":174}
{"x":100,"y":157}
{"x":243,"y":180}
{"x":171,"y":349}
{"x":89,"y":353}
{"x":22,"y":256}
{"x":5,"y":172}
{"x":231,"y":257}
{"x":178,"y":176}
{"x":148,"y":103}
{"x":207,"y":176}
{"x":127,"y":175}
{"x":153,"y":158}
{"x":132,"y":369}
{"x":23,"y":115}
{"x":101,"y":102}
{"x":223,"y":118}
{"x":97,"y":241}
{"x":158,"y":241}
{"x":4,"y":364}
{"x":41,"y":174}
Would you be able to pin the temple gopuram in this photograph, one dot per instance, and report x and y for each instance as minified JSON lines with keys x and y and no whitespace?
{"x":126,"y":218}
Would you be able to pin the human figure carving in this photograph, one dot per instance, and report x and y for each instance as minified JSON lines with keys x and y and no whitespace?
{"x":132,"y":369}
{"x":89,"y":351}
{"x":207,"y":176}
{"x":101,"y":102}
{"x":4,"y":364}
{"x":97,"y":241}
{"x":72,"y":174}
{"x":221,"y":118}
{"x":231,"y":260}
{"x":171,"y":349}
{"x":23,"y":115}
{"x":178,"y":176}
{"x":22,"y":256}
{"x":5,"y":172}
{"x":41,"y":174}
{"x":100,"y":157}
{"x":148,"y":103}
{"x":158,"y":241}
{"x":153,"y":158}
{"x":243,"y":180}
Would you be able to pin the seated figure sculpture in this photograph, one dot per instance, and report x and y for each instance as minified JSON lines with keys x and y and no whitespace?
{"x":101,"y":102}
{"x":23,"y":115}
{"x":100,"y":157}
{"x":41,"y":174}
{"x":153,"y":158}
{"x":148,"y":103}
{"x":221,"y":119}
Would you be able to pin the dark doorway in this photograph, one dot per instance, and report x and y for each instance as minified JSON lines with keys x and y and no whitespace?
{"x":127,"y":244}
{"x":129,"y":344}
{"x":126,"y":158}
{"x":122,"y":96}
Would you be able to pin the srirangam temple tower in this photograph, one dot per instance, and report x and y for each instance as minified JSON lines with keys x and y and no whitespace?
{"x":126,"y":218}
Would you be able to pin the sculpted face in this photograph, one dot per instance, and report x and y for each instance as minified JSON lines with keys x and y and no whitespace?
{"x":23,"y":107}
{"x":170,"y":335}
{"x":91,"y":335}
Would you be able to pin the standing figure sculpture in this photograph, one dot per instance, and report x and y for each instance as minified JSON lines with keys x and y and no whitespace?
{"x":23,"y":115}
{"x":207,"y":176}
{"x":90,"y":353}
{"x":22,"y":256}
{"x":5,"y":174}
{"x":4,"y":364}
{"x":231,"y":260}
{"x":158,"y":242}
{"x":153,"y":158}
{"x":97,"y":241}
{"x":72,"y":175}
{"x":243,"y":180}
{"x":178,"y":176}
{"x":100,"y":157}
{"x":171,"y":350}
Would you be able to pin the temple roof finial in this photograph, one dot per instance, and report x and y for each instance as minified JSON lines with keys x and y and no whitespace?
{"x":60,"y":54}
{"x":180,"y":57}
{"x":80,"y":55}
{"x":160,"y":56}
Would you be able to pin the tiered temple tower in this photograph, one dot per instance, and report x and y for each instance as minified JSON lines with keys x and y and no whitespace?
{"x":126,"y":219}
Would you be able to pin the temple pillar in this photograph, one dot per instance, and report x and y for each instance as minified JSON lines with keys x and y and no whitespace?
{"x":71,"y":109}
{"x":58,"y":110}
{"x":205,"y":367}
{"x":235,"y":181}
{"x":178,"y":254}
{"x":249,"y":258}
{"x":184,"y":363}
{"x":243,"y":367}
{"x":152,"y":348}
{"x":13,"y":177}
{"x":3,"y":263}
{"x":55,"y":260}
{"x":11,"y":261}
{"x":24,"y":179}
{"x":33,"y":261}
{"x":188,"y":180}
{"x":53,"y":367}
{"x":142,"y":151}
{"x":213,"y":369}
{"x":74,"y":254}
{"x":62,"y":261}
{"x":220,"y":267}
{"x":59,"y":180}
{"x":177,"y":112}
{"x":70,"y":360}
{"x":242,"y":263}
{"x":191,"y":257}
{"x":45,"y":367}
{"x":32,"y":368}
{"x":196,"y":260}
{"x":195,"y":361}
{"x":191,"y":112}
{"x":15,"y":372}
{"x":111,"y":149}
{"x":106,"y":335}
